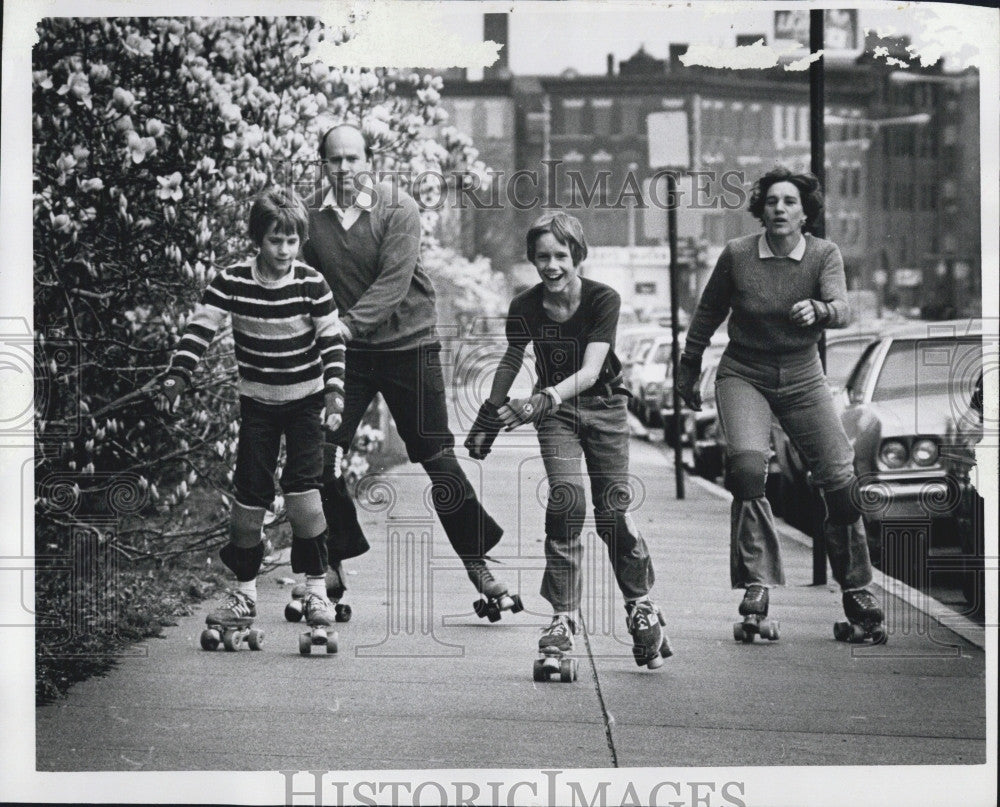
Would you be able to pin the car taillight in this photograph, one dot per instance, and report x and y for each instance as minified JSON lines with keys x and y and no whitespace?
{"x":893,"y":454}
{"x":925,"y":452}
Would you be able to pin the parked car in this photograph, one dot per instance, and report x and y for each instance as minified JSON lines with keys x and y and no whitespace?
{"x":631,"y":346}
{"x":701,"y":429}
{"x":652,"y":375}
{"x":789,"y":481}
{"x":902,"y":398}
{"x":964,"y":434}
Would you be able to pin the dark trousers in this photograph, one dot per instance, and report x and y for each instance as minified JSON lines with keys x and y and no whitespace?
{"x":261,"y":427}
{"x":412,"y":385}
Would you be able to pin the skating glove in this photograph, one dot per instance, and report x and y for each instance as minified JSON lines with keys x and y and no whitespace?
{"x":172,"y":388}
{"x":334,"y":409}
{"x":525,"y":410}
{"x":484,"y":431}
{"x":686,"y":382}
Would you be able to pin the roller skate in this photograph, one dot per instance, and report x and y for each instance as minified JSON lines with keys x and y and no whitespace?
{"x":649,"y":643}
{"x":336,"y":586}
{"x":335,"y":589}
{"x":753,"y":609}
{"x":495,"y":597}
{"x":316,"y":611}
{"x":231,"y":624}
{"x":865,"y":617}
{"x":553,"y":645}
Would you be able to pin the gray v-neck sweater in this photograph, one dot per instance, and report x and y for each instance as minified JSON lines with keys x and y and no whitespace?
{"x":761,"y":291}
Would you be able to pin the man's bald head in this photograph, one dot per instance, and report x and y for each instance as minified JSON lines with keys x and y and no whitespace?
{"x":344,"y":133}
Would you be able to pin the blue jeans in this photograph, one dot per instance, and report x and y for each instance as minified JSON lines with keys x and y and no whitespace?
{"x":750,"y":386}
{"x":261,"y":427}
{"x":594,"y":428}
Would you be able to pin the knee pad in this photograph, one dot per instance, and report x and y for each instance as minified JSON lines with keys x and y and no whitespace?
{"x":309,"y":555}
{"x":243,"y":561}
{"x":841,"y":510}
{"x":245,"y":524}
{"x":305,"y":513}
{"x":566,"y":509}
{"x":746,"y":474}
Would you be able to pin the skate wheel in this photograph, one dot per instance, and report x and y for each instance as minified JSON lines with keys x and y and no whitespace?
{"x":665,"y":651}
{"x":479,"y":606}
{"x":841,"y":631}
{"x":738,"y":633}
{"x":210,"y":639}
{"x":567,"y":670}
{"x":880,"y":636}
{"x":343,"y":612}
{"x":231,"y":640}
{"x":298,"y":591}
{"x":255,"y":639}
{"x":518,"y":606}
{"x":493,"y":612}
{"x":305,"y":644}
{"x":538,"y":671}
{"x":293,"y":610}
{"x":332,"y":643}
{"x":772,"y":632}
{"x":655,"y":662}
{"x":857,"y":634}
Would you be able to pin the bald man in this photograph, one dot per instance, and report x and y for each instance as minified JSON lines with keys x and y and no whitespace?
{"x":364,"y":238}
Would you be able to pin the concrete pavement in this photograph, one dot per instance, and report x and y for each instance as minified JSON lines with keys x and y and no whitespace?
{"x":421,"y":683}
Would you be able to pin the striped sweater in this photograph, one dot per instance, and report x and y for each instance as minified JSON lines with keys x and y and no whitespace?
{"x":286,"y":332}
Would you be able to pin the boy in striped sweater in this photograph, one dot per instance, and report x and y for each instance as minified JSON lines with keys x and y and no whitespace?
{"x":290,"y":355}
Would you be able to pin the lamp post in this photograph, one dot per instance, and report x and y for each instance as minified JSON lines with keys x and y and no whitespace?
{"x":668,"y":140}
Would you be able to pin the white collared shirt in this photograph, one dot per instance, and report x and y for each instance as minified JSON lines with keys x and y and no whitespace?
{"x":764,"y":249}
{"x":351,"y":214}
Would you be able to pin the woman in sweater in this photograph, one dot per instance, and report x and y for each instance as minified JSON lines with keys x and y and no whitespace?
{"x":781,"y":289}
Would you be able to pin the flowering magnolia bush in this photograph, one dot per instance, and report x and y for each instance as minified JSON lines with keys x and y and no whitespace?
{"x":150,"y":136}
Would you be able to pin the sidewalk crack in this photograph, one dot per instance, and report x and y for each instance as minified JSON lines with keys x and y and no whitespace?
{"x":600,"y":696}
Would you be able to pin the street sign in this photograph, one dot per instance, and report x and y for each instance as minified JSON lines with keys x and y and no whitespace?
{"x":667,"y":136}
{"x":840,"y":29}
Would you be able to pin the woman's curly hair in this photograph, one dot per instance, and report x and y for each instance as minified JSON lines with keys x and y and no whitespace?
{"x":809,"y":190}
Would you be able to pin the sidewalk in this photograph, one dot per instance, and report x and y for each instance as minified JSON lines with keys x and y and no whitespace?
{"x":421,"y":683}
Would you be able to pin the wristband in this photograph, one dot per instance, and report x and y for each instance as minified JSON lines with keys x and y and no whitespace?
{"x":555,"y":396}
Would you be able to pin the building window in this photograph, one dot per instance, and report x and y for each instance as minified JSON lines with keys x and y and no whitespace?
{"x":465,"y":120}
{"x":645,"y":288}
{"x":572,"y":116}
{"x":600,"y":111}
{"x":495,"y":115}
{"x":628,"y":122}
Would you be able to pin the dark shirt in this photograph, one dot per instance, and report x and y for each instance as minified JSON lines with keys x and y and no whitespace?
{"x":559,"y":346}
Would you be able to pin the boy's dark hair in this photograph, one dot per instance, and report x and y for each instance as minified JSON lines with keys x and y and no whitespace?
{"x":280,"y":207}
{"x":809,"y":191}
{"x":566,"y":229}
